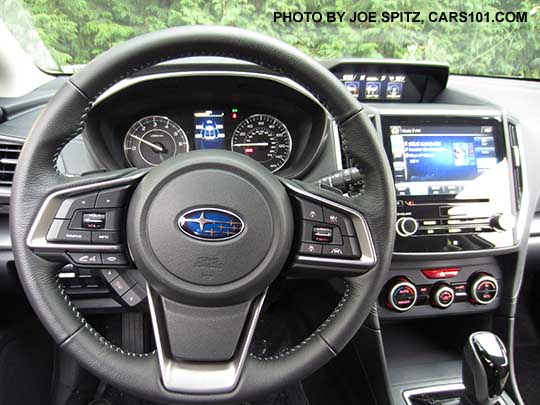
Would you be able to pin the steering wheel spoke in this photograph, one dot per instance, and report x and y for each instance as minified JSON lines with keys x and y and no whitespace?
{"x":332,"y":239}
{"x":83,"y":220}
{"x":202,"y":350}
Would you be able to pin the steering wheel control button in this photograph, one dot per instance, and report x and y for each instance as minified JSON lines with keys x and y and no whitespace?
{"x":109,"y":220}
{"x":122,"y":284}
{"x":310,"y":211}
{"x":85,"y":258}
{"x":110,"y":274}
{"x":105,"y":237}
{"x":114,"y":259}
{"x":322,"y":234}
{"x":134,"y":296}
{"x":340,"y":220}
{"x":310,"y":249}
{"x":70,"y":205}
{"x":93,"y":220}
{"x":484,"y":289}
{"x":60,"y":232}
{"x":113,"y":198}
{"x":402,"y":295}
{"x":443,"y":296}
{"x":348,"y":250}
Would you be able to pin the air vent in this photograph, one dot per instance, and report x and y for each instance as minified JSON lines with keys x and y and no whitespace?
{"x":9,"y":155}
{"x":516,"y":162}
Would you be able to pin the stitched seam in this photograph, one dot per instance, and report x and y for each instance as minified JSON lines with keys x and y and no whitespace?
{"x":99,"y":337}
{"x":321,"y":328}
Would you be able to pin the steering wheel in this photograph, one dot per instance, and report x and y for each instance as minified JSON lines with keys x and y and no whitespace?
{"x":209,"y":230}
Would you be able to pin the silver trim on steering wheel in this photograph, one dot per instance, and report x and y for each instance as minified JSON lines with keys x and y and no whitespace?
{"x":192,"y":377}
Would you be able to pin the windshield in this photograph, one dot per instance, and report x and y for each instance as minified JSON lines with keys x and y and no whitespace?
{"x":477,"y":37}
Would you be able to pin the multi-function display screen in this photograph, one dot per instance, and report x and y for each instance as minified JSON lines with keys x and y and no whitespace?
{"x":430,"y":160}
{"x":375,"y":86}
{"x":209,"y":129}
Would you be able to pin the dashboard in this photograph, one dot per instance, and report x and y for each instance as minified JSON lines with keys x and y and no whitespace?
{"x":457,"y":160}
{"x":151,"y":121}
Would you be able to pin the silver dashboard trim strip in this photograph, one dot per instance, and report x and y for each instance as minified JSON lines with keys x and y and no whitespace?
{"x":156,"y":76}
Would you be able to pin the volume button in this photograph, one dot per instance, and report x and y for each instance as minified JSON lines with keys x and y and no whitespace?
{"x":406,"y":226}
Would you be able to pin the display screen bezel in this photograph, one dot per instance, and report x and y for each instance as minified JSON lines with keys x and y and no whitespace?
{"x":388,"y":121}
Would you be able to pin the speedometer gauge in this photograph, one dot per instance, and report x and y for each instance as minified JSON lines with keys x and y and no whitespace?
{"x":265,"y":139}
{"x":153,"y":139}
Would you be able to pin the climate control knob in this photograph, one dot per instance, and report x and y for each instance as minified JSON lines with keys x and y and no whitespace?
{"x":401,"y":295}
{"x":406,"y":226}
{"x":483,"y":289}
{"x":443,"y":296}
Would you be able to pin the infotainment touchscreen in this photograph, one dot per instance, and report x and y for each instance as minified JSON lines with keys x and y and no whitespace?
{"x":440,"y":159}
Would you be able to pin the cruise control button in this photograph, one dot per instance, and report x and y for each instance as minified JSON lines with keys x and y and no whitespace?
{"x":59,"y":232}
{"x":110,"y":274}
{"x":311,"y":249}
{"x":114,"y":258}
{"x":349,"y":249}
{"x":134,"y":296}
{"x":105,"y":237}
{"x":70,"y":205}
{"x":341,"y":220}
{"x":310,"y":210}
{"x":112,"y":198}
{"x":85,"y":258}
{"x":122,"y":284}
{"x":322,"y":234}
{"x":309,"y":229}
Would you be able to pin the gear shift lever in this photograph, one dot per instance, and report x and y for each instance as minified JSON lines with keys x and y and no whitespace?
{"x":485,"y":368}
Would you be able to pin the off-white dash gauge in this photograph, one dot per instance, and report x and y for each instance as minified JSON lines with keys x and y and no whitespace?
{"x":153,"y":139}
{"x":265,"y":139}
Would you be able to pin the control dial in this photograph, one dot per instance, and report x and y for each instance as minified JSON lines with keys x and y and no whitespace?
{"x":406,"y":226}
{"x":502,"y":222}
{"x":484,"y":289}
{"x":401,"y":295}
{"x":443,"y":296}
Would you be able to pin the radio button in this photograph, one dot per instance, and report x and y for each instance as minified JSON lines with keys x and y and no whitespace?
{"x":406,"y":226}
{"x":502,"y":222}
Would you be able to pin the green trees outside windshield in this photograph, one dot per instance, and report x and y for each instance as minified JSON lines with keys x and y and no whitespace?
{"x":75,"y":31}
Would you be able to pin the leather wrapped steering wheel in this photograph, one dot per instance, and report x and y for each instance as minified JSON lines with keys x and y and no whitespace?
{"x":205,"y":293}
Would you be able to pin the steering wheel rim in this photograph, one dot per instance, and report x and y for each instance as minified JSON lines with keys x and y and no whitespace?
{"x":37,"y":178}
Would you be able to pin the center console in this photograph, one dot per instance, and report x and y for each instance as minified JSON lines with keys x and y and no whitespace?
{"x":456,"y":207}
{"x":458,"y":185}
{"x":453,"y":183}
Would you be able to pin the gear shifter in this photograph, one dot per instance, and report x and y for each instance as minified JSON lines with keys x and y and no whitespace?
{"x":485,"y":368}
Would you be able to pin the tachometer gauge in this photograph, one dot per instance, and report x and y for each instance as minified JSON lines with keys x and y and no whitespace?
{"x":265,"y":139}
{"x":153,"y":139}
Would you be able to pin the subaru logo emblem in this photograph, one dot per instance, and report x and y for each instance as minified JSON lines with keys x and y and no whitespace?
{"x":210,"y":224}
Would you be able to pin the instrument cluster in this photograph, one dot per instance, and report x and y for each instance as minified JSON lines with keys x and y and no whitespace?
{"x":154,"y":138}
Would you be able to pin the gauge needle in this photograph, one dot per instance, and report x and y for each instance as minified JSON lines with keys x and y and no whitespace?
{"x":252,"y":144}
{"x":156,"y":147}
